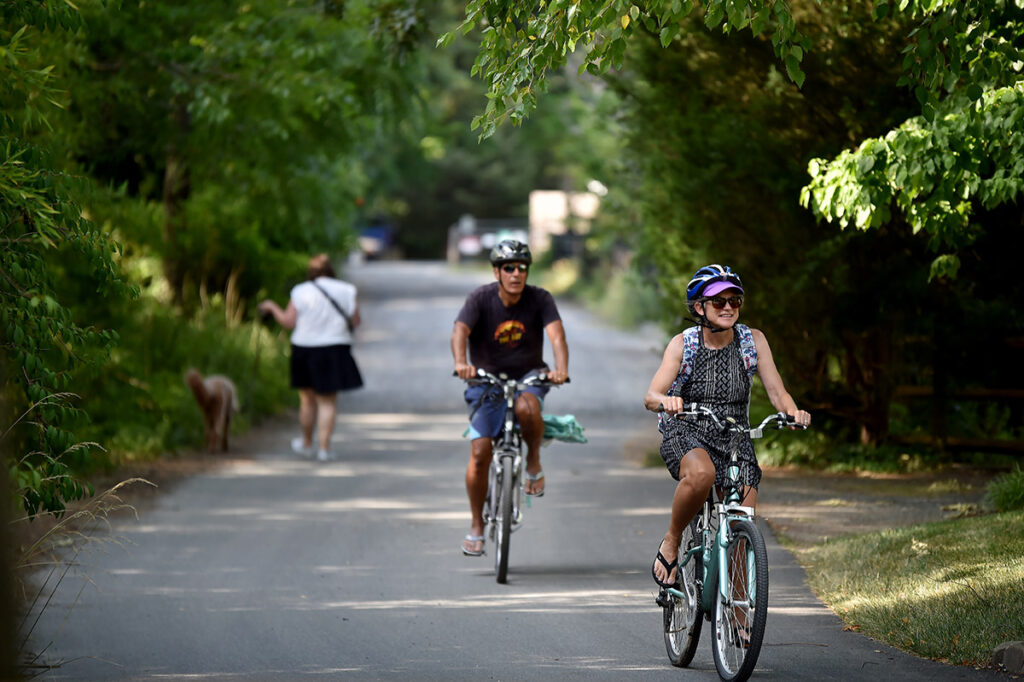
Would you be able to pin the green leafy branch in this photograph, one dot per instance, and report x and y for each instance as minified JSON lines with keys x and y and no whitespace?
{"x":934,"y":172}
{"x":522,"y":42}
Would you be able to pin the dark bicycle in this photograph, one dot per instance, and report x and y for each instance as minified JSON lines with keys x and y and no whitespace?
{"x":723,"y":570}
{"x":505,"y":492}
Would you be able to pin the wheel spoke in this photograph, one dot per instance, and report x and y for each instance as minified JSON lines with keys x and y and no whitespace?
{"x":740,"y":618}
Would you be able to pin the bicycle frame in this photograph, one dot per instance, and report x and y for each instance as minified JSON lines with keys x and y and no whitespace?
{"x":505,"y":488}
{"x":509,"y":443}
{"x":715,"y":567}
{"x":725,"y":511}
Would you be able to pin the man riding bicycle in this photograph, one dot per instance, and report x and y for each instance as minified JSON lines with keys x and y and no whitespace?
{"x":712,"y":365}
{"x":500,"y":324}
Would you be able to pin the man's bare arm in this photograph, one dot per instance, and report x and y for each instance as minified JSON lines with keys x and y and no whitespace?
{"x":460,"y":338}
{"x":560,"y":348}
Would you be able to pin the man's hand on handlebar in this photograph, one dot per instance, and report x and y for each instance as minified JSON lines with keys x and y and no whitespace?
{"x":464,"y":370}
{"x":557,"y":376}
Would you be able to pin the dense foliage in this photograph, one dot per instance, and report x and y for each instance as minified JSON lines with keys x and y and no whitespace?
{"x":963,"y":153}
{"x":522,"y":42}
{"x":41,"y":225}
{"x":161,"y":166}
{"x":435,"y":170}
{"x":720,"y":131}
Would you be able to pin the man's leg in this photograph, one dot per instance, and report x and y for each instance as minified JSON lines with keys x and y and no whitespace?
{"x":325,"y":411}
{"x":696,"y":476}
{"x":476,"y":489}
{"x":307,"y":415}
{"x":531,"y":424}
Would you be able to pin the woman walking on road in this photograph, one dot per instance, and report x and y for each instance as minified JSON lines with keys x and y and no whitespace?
{"x":711,"y":364}
{"x":322,"y":313}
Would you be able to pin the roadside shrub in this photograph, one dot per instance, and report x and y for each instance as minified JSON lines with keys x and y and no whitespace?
{"x":1006,"y":493}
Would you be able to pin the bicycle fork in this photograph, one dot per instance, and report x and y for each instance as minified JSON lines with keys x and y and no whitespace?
{"x":494,"y":486}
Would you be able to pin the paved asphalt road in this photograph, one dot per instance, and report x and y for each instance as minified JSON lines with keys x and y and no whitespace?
{"x":277,"y":568}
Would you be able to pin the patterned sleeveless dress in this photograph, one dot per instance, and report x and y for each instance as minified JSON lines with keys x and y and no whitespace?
{"x":718,"y":380}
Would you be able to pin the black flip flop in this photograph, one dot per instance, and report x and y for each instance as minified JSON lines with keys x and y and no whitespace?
{"x":669,"y":567}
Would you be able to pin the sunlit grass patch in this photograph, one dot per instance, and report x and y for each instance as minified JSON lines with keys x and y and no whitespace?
{"x":949,"y":485}
{"x":949,"y":590}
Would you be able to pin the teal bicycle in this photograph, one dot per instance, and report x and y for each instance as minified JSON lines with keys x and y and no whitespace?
{"x":723,"y":570}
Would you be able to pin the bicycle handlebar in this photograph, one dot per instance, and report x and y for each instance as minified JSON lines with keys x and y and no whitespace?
{"x":779,"y":420}
{"x":485,"y":377}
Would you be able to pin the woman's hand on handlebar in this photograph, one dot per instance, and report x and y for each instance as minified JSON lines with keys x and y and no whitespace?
{"x":671,"y":405}
{"x":464,"y":370}
{"x":801,"y":417}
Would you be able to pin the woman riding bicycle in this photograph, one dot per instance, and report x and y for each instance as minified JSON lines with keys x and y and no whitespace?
{"x":712,"y":365}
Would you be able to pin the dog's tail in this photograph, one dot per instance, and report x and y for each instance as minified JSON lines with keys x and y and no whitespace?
{"x":195,"y":381}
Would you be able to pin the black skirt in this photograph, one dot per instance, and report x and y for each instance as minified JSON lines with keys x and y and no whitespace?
{"x":325,"y":369}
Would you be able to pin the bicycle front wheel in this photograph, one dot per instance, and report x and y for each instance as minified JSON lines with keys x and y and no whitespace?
{"x":740,"y":618}
{"x":503,"y":509}
{"x":683,"y":617}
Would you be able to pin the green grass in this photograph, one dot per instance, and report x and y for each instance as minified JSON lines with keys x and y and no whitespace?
{"x":1006,"y":493}
{"x":949,"y":590}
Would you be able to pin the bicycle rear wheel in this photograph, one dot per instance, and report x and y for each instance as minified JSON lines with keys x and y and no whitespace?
{"x":503,"y":509}
{"x":740,"y":621}
{"x":683,"y":617}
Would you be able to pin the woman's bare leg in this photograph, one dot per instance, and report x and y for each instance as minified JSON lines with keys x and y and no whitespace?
{"x":307,"y":415}
{"x":325,"y":411}
{"x":696,"y":476}
{"x":739,"y":576}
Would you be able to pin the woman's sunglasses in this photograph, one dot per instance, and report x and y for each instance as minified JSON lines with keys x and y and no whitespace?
{"x":719,"y":302}
{"x":512,"y":267}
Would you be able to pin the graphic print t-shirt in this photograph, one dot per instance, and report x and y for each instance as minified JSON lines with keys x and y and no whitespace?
{"x":509,"y":340}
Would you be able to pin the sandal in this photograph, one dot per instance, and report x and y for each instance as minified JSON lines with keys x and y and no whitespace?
{"x":741,"y":635}
{"x":534,"y":478}
{"x":473,"y":539}
{"x":669,"y":567}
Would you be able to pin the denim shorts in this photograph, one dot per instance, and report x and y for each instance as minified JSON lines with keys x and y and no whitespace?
{"x":487,"y":408}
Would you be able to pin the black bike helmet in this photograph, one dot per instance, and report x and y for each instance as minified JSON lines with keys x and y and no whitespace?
{"x":510,"y":251}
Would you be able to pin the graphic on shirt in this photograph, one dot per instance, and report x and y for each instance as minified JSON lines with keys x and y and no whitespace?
{"x":510,"y":333}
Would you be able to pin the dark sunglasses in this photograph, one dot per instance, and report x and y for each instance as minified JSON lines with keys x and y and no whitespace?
{"x":512,"y":267}
{"x":718,"y":302}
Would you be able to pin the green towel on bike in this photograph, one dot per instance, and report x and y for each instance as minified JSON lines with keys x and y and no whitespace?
{"x":564,"y":428}
{"x":558,"y":427}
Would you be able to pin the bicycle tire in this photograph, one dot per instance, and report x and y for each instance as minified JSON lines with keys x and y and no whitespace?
{"x":504,"y":519}
{"x":747,"y":556}
{"x":683,"y":618}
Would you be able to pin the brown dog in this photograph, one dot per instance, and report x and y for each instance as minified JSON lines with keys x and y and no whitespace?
{"x":218,"y":400}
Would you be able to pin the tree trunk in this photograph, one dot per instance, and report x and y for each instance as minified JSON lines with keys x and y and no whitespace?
{"x":177,"y":187}
{"x":878,"y":385}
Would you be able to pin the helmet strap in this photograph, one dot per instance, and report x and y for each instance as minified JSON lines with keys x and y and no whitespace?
{"x":702,"y":321}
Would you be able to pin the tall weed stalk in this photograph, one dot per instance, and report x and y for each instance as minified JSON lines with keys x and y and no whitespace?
{"x":56,"y":551}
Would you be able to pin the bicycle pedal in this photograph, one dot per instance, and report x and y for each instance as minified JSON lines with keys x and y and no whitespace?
{"x":664,"y":599}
